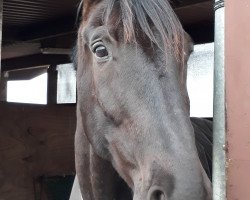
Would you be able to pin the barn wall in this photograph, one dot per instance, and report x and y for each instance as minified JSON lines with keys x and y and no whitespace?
{"x":238,"y":98}
{"x":35,"y":141}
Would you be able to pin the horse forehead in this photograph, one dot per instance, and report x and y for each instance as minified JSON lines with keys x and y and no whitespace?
{"x":95,"y":14}
{"x":89,"y":7}
{"x":94,"y":20}
{"x":97,"y":18}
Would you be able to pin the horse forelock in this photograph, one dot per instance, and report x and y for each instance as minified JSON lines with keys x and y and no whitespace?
{"x":154,"y":18}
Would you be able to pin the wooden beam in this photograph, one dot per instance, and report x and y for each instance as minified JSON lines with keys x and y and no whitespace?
{"x":40,"y":31}
{"x":20,"y":50}
{"x":33,"y":61}
{"x":195,"y":13}
{"x":177,"y":4}
{"x":35,"y":141}
{"x":26,"y":74}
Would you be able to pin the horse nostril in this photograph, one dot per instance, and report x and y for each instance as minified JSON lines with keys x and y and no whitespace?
{"x":157,"y":195}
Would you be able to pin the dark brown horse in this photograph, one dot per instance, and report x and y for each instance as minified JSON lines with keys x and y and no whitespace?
{"x":134,"y":137}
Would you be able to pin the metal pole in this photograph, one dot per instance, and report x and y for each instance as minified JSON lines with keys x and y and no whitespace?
{"x":219,"y":154}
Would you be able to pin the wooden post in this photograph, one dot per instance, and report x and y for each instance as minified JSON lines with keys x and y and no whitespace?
{"x":3,"y":87}
{"x":2,"y":83}
{"x":1,"y":25}
{"x":52,"y":85}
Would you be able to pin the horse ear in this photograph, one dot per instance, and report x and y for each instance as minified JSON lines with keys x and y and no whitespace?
{"x":87,"y":5}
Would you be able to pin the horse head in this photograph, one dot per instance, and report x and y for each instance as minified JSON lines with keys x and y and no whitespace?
{"x":132,"y":97}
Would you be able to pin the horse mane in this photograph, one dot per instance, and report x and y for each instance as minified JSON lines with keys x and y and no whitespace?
{"x":155,"y":18}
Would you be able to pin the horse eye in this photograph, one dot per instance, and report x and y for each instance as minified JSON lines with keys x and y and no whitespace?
{"x":101,"y":51}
